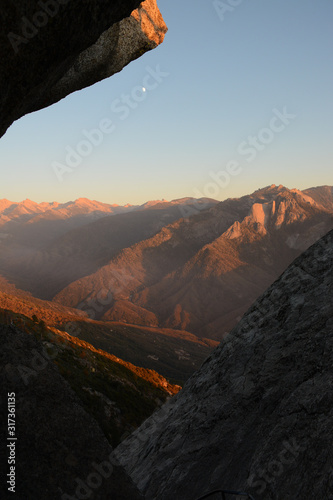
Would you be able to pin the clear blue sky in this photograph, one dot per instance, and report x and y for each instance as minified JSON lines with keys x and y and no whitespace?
{"x":227,"y":72}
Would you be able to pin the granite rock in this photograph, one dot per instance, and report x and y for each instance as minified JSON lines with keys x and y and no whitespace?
{"x":50,"y":48}
{"x":258,"y":415}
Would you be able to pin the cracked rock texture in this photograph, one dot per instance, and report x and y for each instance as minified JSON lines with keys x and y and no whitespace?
{"x":258,"y":415}
{"x":50,"y":48}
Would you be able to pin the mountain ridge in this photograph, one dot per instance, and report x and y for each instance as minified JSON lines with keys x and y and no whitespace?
{"x":173,"y":353}
{"x":43,"y":254}
{"x":235,"y":248}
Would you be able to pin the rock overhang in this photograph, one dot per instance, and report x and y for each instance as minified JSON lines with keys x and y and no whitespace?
{"x":51,"y":48}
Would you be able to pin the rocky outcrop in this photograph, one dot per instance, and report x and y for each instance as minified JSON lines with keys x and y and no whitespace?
{"x":258,"y":415}
{"x":50,"y":48}
{"x":60,"y":451}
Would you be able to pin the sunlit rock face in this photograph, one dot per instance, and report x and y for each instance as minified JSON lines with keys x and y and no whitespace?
{"x":50,"y":48}
{"x":258,"y":415}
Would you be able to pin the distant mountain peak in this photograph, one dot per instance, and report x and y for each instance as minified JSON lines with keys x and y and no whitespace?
{"x":151,"y":203}
{"x":4,"y":203}
{"x":82,"y":200}
{"x":273,"y":188}
{"x":29,"y":203}
{"x":89,"y":203}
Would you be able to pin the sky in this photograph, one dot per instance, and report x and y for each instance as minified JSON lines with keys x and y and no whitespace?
{"x":239,"y":96}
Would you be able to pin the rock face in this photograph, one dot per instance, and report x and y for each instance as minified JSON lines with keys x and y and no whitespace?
{"x":322,"y":195}
{"x":51,"y":48}
{"x":59,"y":446}
{"x":258,"y":415}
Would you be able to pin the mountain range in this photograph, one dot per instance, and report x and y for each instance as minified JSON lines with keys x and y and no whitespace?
{"x":182,"y":272}
{"x":46,"y":246}
{"x":168,"y":281}
{"x":231,"y":251}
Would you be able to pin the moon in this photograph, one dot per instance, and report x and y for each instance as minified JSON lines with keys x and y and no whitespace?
{"x":143,"y":89}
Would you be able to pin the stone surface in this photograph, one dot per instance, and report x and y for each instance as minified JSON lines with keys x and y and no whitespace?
{"x":58,"y":443}
{"x":51,"y":48}
{"x":258,"y":415}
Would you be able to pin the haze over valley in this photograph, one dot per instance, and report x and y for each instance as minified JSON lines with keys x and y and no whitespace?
{"x":180,"y":273}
